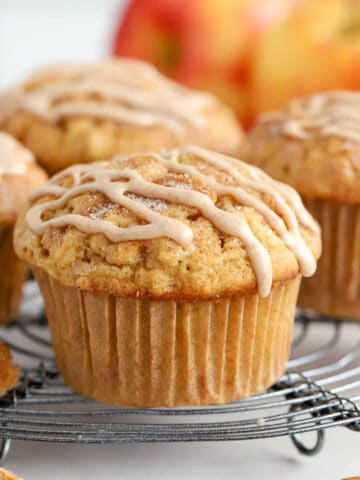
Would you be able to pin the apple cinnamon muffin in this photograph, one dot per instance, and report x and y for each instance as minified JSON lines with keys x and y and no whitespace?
{"x":169,"y":278}
{"x":19,"y":174}
{"x":314,"y":145}
{"x":75,"y":113}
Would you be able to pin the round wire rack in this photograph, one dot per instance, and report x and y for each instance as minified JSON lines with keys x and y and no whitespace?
{"x":321,"y":389}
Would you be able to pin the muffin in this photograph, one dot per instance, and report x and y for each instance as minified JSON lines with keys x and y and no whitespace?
{"x":9,"y":374}
{"x":18,"y":176}
{"x":314,"y":145}
{"x":85,"y":112}
{"x":169,"y":278}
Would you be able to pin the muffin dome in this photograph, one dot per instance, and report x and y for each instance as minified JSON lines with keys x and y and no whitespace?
{"x":74,"y":113}
{"x":19,"y":174}
{"x":181,"y":224}
{"x":313,"y":144}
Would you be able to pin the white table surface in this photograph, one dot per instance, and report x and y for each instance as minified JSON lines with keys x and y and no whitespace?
{"x":274,"y":458}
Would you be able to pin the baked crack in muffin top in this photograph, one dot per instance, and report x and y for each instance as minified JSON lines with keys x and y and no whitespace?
{"x":179,"y":224}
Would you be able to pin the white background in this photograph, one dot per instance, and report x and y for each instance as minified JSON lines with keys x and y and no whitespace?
{"x":35,"y":32}
{"x":266,"y":460}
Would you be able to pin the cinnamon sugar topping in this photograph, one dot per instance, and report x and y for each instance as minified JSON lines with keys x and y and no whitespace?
{"x":248,"y":187}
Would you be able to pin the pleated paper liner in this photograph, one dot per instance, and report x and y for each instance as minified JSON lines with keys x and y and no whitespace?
{"x":335,"y":288}
{"x":12,"y":276}
{"x":160,"y":353}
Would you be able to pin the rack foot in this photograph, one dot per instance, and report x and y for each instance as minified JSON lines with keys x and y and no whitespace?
{"x":309,"y":451}
{"x":5,"y":444}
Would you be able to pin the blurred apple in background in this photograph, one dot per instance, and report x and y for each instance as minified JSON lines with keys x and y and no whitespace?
{"x":316,"y":48}
{"x":254,"y":54}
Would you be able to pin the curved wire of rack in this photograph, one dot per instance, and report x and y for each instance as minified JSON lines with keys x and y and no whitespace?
{"x":321,"y":389}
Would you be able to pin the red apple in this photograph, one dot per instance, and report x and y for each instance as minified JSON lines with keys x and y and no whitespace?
{"x":317,"y":48}
{"x":254,"y":54}
{"x":169,"y":34}
{"x":202,"y":44}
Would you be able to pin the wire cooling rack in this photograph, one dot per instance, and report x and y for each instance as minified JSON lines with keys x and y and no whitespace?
{"x":321,"y":389}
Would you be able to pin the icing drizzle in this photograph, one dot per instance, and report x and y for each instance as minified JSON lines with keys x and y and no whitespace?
{"x":14,"y":158}
{"x":123,"y":90}
{"x":126,"y":187}
{"x":331,"y":113}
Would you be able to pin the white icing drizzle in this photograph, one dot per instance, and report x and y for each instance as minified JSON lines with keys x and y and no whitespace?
{"x":332,"y":113}
{"x":14,"y":158}
{"x":123,"y":90}
{"x":126,"y":187}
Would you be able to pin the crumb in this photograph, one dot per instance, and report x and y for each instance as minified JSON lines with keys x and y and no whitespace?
{"x":260,"y":422}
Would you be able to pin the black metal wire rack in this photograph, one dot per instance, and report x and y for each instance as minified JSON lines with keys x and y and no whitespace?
{"x":321,"y":389}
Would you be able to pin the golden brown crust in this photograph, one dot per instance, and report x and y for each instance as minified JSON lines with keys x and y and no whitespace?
{"x":82,"y":140}
{"x":9,"y":373}
{"x":15,"y":190}
{"x":317,"y":168}
{"x":318,"y":165}
{"x":76,"y":139}
{"x":214,"y":264}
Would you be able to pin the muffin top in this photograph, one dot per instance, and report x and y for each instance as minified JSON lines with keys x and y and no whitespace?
{"x":74,"y":113}
{"x":18,"y":175}
{"x":313,"y":144}
{"x":186,"y":224}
